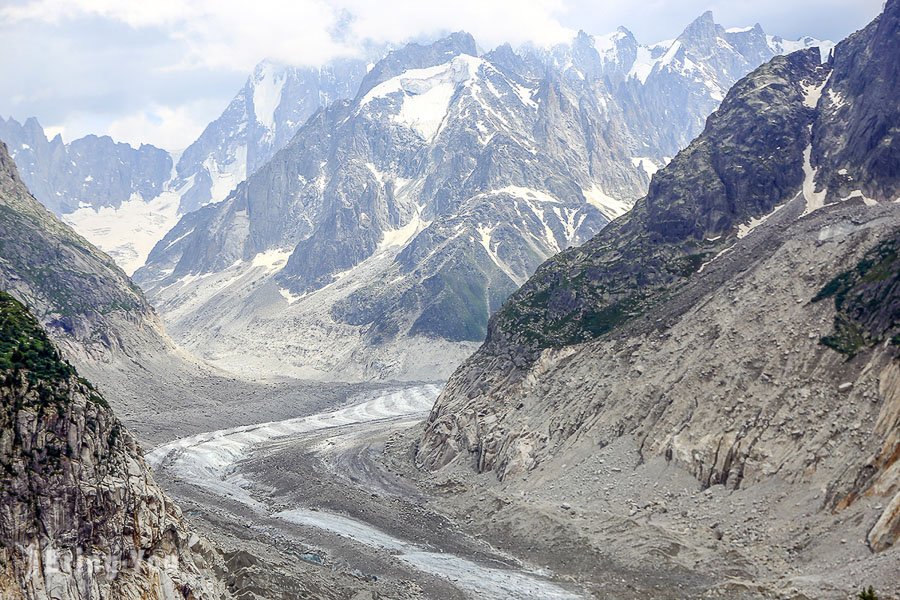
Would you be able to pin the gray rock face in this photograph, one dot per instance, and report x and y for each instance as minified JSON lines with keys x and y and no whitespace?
{"x":692,"y":211}
{"x":666,"y":90}
{"x":417,"y":56}
{"x":859,"y":146}
{"x":458,"y":175}
{"x":259,"y":121}
{"x":687,"y":327}
{"x":91,"y":171}
{"x":80,"y":514}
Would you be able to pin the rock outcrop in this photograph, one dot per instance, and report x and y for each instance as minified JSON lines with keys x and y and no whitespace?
{"x":80,"y":514}
{"x":93,"y":171}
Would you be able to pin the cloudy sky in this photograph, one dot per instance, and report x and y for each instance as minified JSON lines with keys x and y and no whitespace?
{"x":158,"y":71}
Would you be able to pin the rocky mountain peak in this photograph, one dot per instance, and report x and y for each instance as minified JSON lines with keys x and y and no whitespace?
{"x":701,"y":31}
{"x":505,"y":57}
{"x":417,"y":56}
{"x":583,"y":38}
{"x":32,"y":126}
{"x":8,"y":168}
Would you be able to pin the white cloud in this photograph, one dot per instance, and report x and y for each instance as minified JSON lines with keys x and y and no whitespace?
{"x":157,"y":71}
{"x":231,"y":34}
{"x":52,"y":130}
{"x":492,"y":22}
{"x":234,"y":34}
{"x":163,"y":126}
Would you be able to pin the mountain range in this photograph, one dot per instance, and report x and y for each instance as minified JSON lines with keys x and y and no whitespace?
{"x":686,"y":324}
{"x":378,"y":241}
{"x":124,"y":199}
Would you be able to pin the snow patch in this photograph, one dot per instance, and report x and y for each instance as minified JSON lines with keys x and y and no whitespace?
{"x":745,"y":228}
{"x":812,"y":93}
{"x":271,"y":260}
{"x":814,"y":200}
{"x":129,"y":232}
{"x":179,"y":238}
{"x":226,"y":177}
{"x":609,"y":206}
{"x":402,"y":235}
{"x":646,"y":164}
{"x":669,"y":56}
{"x":426,"y":93}
{"x":643,"y":65}
{"x":267,"y":95}
{"x":287,"y":295}
{"x":858,"y":194}
{"x":703,"y":266}
{"x":376,"y":173}
{"x":484,"y":233}
{"x":527,"y":193}
{"x":525,"y":96}
{"x":837,"y":100}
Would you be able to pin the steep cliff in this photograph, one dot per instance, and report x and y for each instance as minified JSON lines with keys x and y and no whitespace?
{"x":80,"y":514}
{"x":76,"y":290}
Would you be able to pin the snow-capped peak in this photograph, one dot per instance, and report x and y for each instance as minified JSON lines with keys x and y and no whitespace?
{"x":426,"y":93}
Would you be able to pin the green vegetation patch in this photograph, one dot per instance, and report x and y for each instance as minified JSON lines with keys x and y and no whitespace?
{"x":867,"y":300}
{"x":25,"y":346}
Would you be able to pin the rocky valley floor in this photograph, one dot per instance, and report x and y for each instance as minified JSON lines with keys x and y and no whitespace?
{"x":330,"y":504}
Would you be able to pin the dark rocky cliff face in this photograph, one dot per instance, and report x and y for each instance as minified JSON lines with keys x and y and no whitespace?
{"x":857,"y":144}
{"x":80,"y":514}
